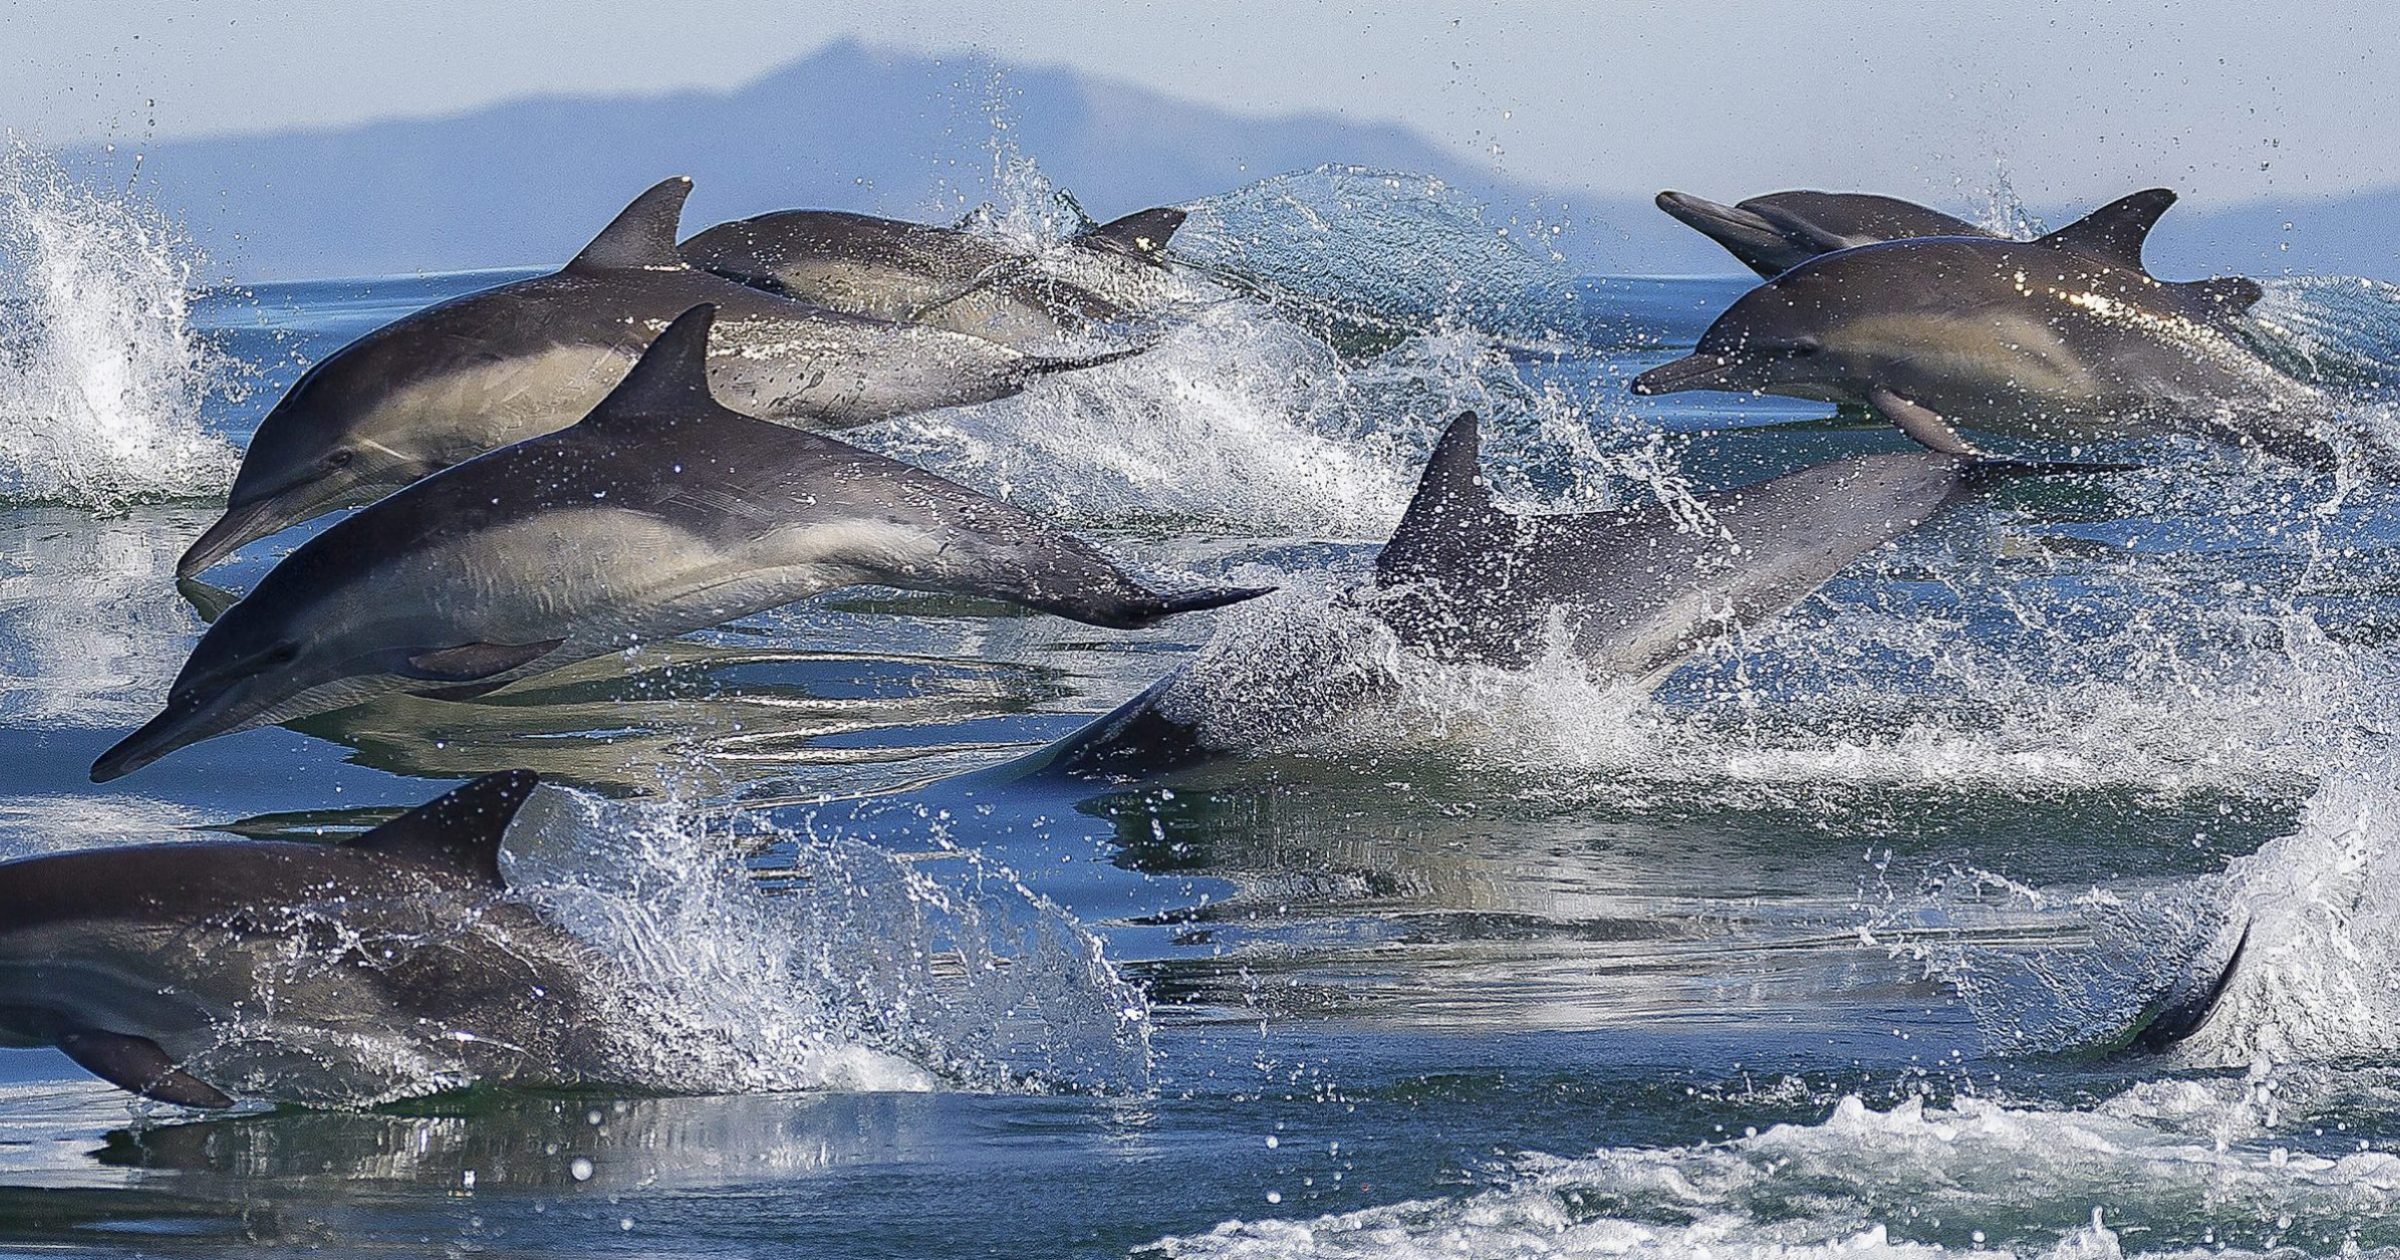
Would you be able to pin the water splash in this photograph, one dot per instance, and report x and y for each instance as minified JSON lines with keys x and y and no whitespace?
{"x":835,"y":964}
{"x":2321,"y":909}
{"x":2003,"y":212}
{"x":101,"y":373}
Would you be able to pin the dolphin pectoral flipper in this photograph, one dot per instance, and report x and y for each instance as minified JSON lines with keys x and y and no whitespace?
{"x":138,"y":1065}
{"x":468,"y":662}
{"x":1921,"y":423}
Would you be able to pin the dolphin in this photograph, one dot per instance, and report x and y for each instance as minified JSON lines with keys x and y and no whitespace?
{"x":1779,"y":231}
{"x":948,"y":277}
{"x":1631,"y":591}
{"x":481,"y":371}
{"x":2063,"y":337}
{"x":660,"y":513}
{"x":190,"y":972}
{"x":2189,"y":1000}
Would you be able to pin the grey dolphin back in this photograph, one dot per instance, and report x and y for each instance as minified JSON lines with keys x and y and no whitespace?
{"x":643,"y":233}
{"x":2116,"y":233}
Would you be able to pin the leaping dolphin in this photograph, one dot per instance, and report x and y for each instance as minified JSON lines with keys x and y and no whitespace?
{"x":949,"y":277}
{"x":660,"y":513}
{"x":1779,"y":231}
{"x":479,"y":372}
{"x":2062,"y":337}
{"x":1635,"y":590}
{"x":193,"y":972}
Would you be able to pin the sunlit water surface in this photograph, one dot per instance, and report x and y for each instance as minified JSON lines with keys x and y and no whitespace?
{"x":1814,"y":952}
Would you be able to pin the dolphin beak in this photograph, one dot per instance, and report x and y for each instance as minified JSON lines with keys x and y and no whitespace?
{"x":183,"y":722}
{"x":238,"y":528}
{"x":1694,"y":371}
{"x":161,"y":735}
{"x":1712,"y":219}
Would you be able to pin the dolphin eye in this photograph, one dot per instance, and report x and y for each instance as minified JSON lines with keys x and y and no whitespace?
{"x":1805,"y":347}
{"x":341,"y":458}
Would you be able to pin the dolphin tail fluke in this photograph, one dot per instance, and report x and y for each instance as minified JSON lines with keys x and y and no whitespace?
{"x":1142,"y":234}
{"x":139,"y":1065}
{"x":2187,"y":1004}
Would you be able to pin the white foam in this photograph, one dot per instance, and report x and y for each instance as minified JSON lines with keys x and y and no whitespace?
{"x":2162,"y":1170}
{"x":101,"y":374}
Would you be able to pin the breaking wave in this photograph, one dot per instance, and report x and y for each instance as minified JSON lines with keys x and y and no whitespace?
{"x":101,"y":374}
{"x":2166,"y":1168}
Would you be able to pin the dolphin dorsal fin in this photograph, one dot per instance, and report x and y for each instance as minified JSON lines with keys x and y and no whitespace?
{"x":2115,"y":232}
{"x":1452,"y":492}
{"x":1143,"y":234}
{"x":461,"y":830}
{"x":643,"y":233}
{"x":671,"y":377}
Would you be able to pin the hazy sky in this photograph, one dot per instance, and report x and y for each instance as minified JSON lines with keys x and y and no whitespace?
{"x":2080,"y":101}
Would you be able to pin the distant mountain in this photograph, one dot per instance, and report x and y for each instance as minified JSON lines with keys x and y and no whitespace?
{"x":854,"y":127}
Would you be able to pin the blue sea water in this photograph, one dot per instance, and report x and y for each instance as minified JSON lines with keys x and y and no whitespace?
{"x":1816,"y":951}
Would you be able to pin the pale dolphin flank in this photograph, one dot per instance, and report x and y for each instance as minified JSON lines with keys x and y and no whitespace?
{"x":950,"y":277}
{"x":193,"y":972}
{"x":1636,"y":590}
{"x":1779,"y":231}
{"x":660,"y":513}
{"x":2064,"y":337}
{"x":474,"y":374}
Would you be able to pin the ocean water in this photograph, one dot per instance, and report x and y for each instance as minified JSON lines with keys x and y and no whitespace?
{"x":1820,"y":950}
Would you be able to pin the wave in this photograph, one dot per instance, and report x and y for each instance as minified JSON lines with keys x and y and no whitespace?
{"x":2167,"y":1168}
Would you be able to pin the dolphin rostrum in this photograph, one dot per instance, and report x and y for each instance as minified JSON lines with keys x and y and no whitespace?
{"x":1779,"y":231}
{"x":481,"y":371}
{"x":194,"y":972}
{"x":1630,"y":591}
{"x":660,"y":513}
{"x":2062,"y":337}
{"x":949,"y":277}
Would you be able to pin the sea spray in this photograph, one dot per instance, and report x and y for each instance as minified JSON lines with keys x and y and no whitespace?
{"x":101,"y":374}
{"x":827,"y":962}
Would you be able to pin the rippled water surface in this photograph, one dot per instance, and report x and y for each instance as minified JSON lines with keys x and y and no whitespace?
{"x":1818,"y":950}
